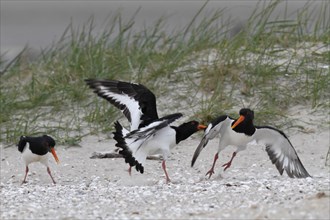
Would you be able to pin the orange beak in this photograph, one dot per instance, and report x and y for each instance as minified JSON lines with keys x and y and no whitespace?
{"x":201,"y":127}
{"x":239,"y":120}
{"x":55,"y":156}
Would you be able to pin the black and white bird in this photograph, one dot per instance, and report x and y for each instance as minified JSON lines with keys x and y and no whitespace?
{"x":241,"y":131}
{"x":35,"y":149}
{"x":148,"y":133}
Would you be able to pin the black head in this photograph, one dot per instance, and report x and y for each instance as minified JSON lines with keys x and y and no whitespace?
{"x":244,"y":124}
{"x":247,"y":113}
{"x":187,"y":129}
{"x":49,"y":141}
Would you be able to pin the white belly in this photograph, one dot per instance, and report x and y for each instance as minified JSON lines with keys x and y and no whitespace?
{"x":162,"y":142}
{"x":30,"y":157}
{"x":230,"y":137}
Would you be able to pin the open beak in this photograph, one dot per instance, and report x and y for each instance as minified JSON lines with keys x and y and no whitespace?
{"x":201,"y":127}
{"x":238,"y":121}
{"x":55,"y":156}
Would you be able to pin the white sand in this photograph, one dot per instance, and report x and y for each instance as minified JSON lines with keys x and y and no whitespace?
{"x":101,"y":188}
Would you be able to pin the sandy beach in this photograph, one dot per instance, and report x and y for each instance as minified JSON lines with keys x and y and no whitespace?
{"x":286,"y":75}
{"x":102,"y":189}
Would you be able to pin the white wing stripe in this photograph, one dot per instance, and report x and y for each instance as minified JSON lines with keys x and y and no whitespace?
{"x":285,"y":162}
{"x":131,"y":104}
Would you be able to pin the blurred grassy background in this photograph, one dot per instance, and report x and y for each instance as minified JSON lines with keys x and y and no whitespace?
{"x":200,"y":70}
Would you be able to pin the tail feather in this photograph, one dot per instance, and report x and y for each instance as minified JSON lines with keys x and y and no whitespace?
{"x":125,"y":151}
{"x":21,"y":144}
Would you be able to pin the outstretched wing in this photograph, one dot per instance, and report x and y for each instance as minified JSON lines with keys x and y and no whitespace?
{"x":132,"y":144}
{"x":212,"y":130}
{"x":280,"y":151}
{"x":137,"y":102}
{"x":145,"y":133}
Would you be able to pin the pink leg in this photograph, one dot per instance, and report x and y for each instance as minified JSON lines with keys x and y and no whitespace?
{"x":130,"y":170}
{"x":227,"y":165}
{"x":26,"y":172}
{"x":164,"y":168}
{"x":48,"y":170}
{"x":211,"y":171}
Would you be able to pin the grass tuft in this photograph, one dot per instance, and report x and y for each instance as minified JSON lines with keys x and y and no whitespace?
{"x":270,"y":65}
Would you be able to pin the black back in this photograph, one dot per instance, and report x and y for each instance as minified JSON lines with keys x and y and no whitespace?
{"x":38,"y":145}
{"x":219,"y":119}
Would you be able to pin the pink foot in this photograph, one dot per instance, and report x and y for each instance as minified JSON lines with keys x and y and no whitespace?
{"x":226,"y":165}
{"x":210,"y":173}
{"x":166,"y":174}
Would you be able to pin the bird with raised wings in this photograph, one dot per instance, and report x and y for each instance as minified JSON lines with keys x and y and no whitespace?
{"x":148,"y":133}
{"x":239,"y":132}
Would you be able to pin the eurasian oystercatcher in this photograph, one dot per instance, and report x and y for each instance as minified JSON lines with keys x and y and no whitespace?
{"x":241,"y":131}
{"x":35,"y":149}
{"x":148,"y":134}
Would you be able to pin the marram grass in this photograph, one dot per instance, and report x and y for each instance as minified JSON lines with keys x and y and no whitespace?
{"x":201,"y":70}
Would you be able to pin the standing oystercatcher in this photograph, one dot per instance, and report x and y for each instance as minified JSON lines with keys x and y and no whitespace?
{"x":36,"y":149}
{"x":148,"y":134}
{"x":242,"y":131}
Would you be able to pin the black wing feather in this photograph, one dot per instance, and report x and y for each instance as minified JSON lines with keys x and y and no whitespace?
{"x":145,"y":98}
{"x":145,"y":134}
{"x":125,"y":151}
